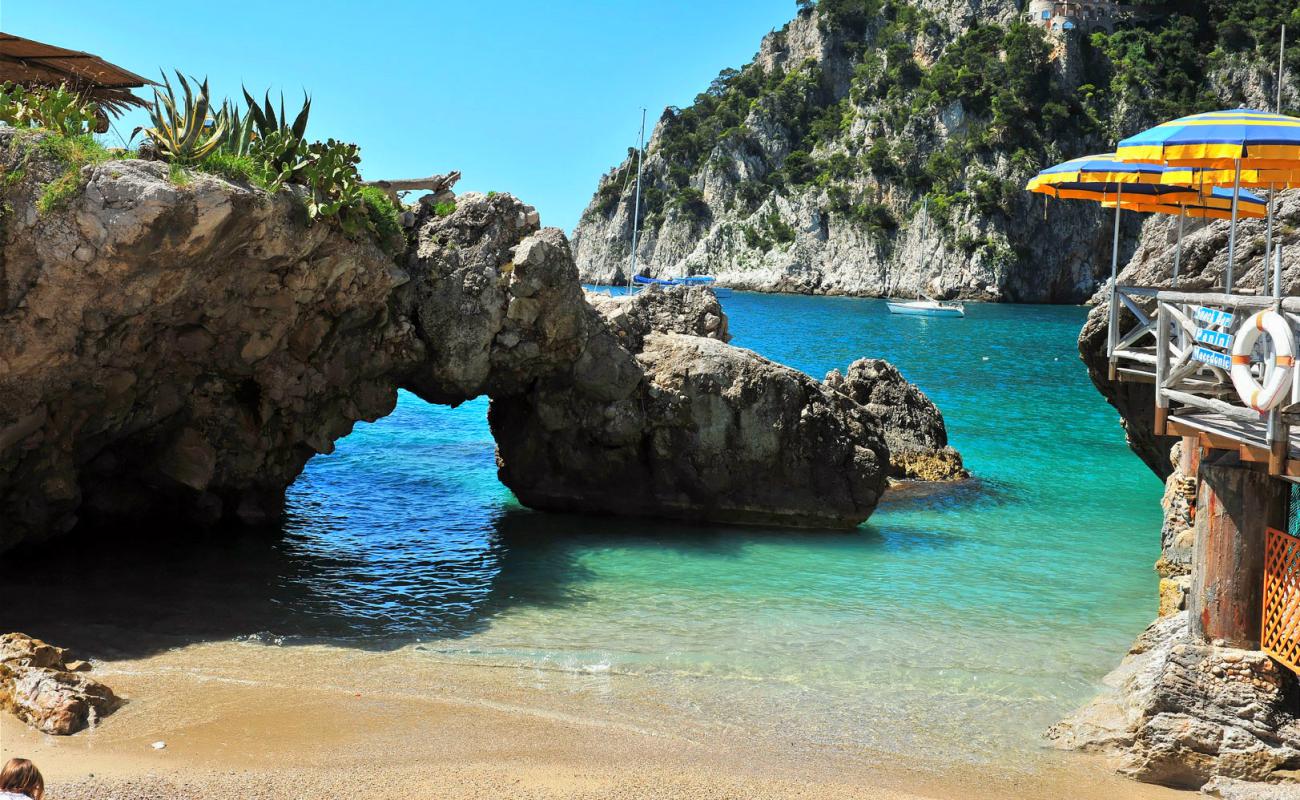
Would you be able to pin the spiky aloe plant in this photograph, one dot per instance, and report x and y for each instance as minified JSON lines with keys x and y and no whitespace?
{"x":180,"y":128}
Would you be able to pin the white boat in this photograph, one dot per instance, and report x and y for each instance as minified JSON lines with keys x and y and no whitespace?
{"x":923,"y":305}
{"x":927,"y":307}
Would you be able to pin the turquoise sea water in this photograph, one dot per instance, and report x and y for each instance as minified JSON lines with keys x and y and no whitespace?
{"x":972,"y":617}
{"x":960,"y":622}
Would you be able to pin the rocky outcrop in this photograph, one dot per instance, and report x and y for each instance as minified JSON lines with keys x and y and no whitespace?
{"x":1181,"y":712}
{"x":43,"y":688}
{"x":674,"y":309}
{"x":699,"y":430}
{"x":914,"y":430}
{"x":181,"y":351}
{"x":177,"y":350}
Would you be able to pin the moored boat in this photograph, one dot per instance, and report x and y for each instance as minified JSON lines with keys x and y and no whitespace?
{"x":927,"y":307}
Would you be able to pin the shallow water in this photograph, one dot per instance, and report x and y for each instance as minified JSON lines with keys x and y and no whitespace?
{"x":959,"y":623}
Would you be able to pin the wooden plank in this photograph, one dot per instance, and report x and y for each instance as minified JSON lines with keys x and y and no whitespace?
{"x":1162,"y":367}
{"x":1136,"y":355}
{"x":1210,"y":404}
{"x":1125,"y":375}
{"x":1220,"y":299}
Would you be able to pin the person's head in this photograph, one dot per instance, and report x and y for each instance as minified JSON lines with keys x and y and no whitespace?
{"x":21,"y":776}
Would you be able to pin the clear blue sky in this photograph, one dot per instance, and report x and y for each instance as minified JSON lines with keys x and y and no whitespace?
{"x":530,"y":97}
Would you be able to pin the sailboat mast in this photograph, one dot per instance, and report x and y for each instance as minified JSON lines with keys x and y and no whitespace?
{"x":636,"y":213}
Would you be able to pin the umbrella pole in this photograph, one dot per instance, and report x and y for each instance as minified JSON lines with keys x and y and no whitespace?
{"x":1268,"y":239}
{"x":1178,"y":251}
{"x":1277,"y":272}
{"x":1113,"y":326}
{"x":1232,"y":233}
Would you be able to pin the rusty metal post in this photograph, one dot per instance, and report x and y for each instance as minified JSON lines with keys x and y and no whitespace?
{"x":1235,"y":505}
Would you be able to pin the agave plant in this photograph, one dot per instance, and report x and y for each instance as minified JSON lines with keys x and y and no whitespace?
{"x":180,"y":128}
{"x":241,"y":131}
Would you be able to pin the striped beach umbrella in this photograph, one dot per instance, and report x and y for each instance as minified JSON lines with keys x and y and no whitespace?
{"x":1120,"y":185}
{"x":1242,"y":138}
{"x":1223,"y":142}
{"x":1114,"y":183}
{"x":1216,"y":205}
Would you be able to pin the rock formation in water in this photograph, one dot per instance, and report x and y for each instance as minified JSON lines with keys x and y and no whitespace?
{"x":46,"y":690}
{"x":181,"y":351}
{"x":882,"y":147}
{"x":914,"y":429}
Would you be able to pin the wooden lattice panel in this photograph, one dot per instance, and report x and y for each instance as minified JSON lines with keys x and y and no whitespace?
{"x":1281,"y":629}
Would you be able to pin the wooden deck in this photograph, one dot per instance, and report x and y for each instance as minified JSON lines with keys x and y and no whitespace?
{"x":1221,"y":432}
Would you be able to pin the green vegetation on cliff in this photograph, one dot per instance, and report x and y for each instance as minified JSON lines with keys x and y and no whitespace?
{"x":959,"y":116}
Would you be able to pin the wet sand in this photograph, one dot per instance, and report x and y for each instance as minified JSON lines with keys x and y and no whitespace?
{"x":251,"y":720}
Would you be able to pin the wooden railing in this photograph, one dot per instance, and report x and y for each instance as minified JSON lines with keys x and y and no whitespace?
{"x":1194,"y":332}
{"x":1132,"y":351}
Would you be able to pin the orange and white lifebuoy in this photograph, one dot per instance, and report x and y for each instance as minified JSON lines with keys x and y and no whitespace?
{"x":1277,"y":375}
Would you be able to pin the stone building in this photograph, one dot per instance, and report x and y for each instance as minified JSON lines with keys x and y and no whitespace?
{"x":1086,"y":16}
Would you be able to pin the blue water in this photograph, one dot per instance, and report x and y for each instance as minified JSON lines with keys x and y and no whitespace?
{"x":960,"y":622}
{"x":972,"y":617}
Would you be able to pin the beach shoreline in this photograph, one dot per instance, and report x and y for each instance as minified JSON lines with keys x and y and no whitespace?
{"x":252,"y":720}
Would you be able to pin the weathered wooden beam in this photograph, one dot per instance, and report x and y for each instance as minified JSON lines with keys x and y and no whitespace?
{"x":433,"y":183}
{"x":1234,"y":506}
{"x":1125,"y":375}
{"x":1210,"y":404}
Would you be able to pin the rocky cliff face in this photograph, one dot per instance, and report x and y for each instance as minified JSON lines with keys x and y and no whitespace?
{"x":177,"y":350}
{"x":874,"y":148}
{"x":181,"y":351}
{"x":822,"y":184}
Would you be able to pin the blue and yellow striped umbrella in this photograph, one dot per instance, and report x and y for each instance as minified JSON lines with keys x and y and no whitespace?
{"x":1104,"y":178}
{"x":1219,"y":139}
{"x":1276,"y":179}
{"x":1216,"y":205}
{"x":1226,"y":144}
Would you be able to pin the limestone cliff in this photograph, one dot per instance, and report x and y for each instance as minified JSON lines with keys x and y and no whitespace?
{"x":881,"y":147}
{"x":181,"y":351}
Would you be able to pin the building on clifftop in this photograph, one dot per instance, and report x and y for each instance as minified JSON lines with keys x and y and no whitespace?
{"x":1087,"y":16}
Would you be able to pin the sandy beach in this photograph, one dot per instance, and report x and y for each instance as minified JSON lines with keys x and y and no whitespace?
{"x":258,"y":721}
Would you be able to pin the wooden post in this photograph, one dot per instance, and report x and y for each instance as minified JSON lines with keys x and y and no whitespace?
{"x":1234,"y":506}
{"x":1163,"y":320}
{"x":1191,"y":455}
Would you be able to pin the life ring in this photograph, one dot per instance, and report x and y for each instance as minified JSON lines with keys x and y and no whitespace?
{"x":1277,"y":376}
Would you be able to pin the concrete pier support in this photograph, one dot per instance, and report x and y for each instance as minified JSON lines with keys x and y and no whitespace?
{"x":1234,"y":505}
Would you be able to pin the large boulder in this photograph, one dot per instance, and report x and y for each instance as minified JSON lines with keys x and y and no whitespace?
{"x":45,"y":690}
{"x":677,"y":309}
{"x":1178,"y":711}
{"x":913,"y":425}
{"x":707,"y":431}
